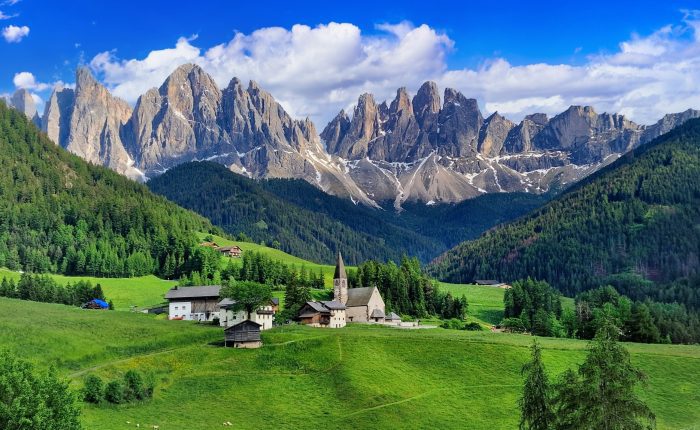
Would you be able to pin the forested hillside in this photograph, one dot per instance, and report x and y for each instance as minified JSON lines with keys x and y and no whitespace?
{"x":60,"y":214}
{"x":634,"y":225}
{"x":311,"y":224}
{"x":239,"y":204}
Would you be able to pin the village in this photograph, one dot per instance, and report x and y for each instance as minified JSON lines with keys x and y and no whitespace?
{"x":242,"y":329}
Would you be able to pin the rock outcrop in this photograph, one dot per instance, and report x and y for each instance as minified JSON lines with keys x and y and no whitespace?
{"x":23,"y":101}
{"x":57,"y":114}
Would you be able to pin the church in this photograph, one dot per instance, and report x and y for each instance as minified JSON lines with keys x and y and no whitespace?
{"x":363,"y":305}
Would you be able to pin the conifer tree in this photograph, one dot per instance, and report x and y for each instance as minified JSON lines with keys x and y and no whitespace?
{"x":535,"y":403}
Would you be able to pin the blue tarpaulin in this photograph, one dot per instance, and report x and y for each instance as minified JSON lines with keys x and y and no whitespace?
{"x":101,"y":303}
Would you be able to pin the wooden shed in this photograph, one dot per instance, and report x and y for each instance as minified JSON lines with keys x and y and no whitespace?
{"x":245,"y":334}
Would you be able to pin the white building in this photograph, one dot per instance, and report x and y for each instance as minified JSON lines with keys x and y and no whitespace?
{"x":264,"y":316}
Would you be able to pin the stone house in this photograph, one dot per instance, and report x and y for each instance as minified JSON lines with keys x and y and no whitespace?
{"x":264,"y":316}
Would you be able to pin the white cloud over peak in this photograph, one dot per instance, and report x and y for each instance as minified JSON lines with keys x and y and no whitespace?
{"x":14,"y":34}
{"x":316,"y":71}
{"x":27,"y":81}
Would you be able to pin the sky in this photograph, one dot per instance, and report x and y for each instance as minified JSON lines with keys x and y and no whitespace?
{"x":638,"y":58}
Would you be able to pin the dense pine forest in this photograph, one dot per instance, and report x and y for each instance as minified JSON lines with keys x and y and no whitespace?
{"x":634,"y":225}
{"x":61,"y":214}
{"x":311,"y":224}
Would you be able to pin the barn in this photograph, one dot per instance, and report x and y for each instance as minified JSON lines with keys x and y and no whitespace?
{"x":245,"y":334}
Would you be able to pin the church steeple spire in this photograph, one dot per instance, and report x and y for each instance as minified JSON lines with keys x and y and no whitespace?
{"x":340,"y":281}
{"x":339,"y":268}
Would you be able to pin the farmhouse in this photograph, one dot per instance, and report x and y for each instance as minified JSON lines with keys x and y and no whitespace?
{"x":230,"y":251}
{"x":245,"y":334}
{"x":193,"y":303}
{"x":264,"y":316}
{"x":488,"y":282}
{"x":330,"y":314}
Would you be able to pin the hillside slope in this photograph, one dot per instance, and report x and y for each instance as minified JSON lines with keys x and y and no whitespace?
{"x":378,"y":377}
{"x":60,"y":214}
{"x":635,"y":224}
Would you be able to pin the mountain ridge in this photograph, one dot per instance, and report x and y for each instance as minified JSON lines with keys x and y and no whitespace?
{"x":424,"y":148}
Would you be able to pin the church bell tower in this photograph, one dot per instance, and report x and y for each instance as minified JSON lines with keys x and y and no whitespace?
{"x":340,"y":282}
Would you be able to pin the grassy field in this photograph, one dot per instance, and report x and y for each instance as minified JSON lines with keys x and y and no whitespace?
{"x":357,"y":377}
{"x":277,"y":255}
{"x":124,"y":292}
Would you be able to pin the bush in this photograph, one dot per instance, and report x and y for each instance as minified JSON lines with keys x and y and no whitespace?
{"x":94,"y":389}
{"x":514,"y":325}
{"x":114,"y":392}
{"x":134,"y":387}
{"x":453,"y":324}
{"x":473,"y":326}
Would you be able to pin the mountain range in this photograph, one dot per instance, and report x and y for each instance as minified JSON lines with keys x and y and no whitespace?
{"x":426,"y":148}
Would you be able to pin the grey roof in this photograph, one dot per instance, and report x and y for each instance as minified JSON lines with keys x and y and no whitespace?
{"x":226,"y":302}
{"x":333,"y":305}
{"x":487,"y":282}
{"x":359,"y":296}
{"x":317,"y":306}
{"x":275,"y":301}
{"x":393,"y":317}
{"x":244,"y":322}
{"x":340,"y":268}
{"x":228,"y":248}
{"x":377,"y":313}
{"x":193,"y":292}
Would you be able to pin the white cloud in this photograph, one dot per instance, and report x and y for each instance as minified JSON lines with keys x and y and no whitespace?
{"x":316,"y":71}
{"x":10,"y":2}
{"x":4,"y":16}
{"x":14,"y":34}
{"x":28,"y":81}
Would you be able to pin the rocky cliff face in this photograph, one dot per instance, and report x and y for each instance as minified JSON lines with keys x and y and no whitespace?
{"x":424,"y":147}
{"x":22,"y":101}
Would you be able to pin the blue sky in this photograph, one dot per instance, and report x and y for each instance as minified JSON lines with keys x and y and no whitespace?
{"x":50,"y":39}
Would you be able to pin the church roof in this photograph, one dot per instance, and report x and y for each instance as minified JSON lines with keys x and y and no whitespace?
{"x":359,"y":296}
{"x":339,"y":268}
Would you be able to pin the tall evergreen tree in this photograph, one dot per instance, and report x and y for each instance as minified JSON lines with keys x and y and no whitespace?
{"x":535,"y":403}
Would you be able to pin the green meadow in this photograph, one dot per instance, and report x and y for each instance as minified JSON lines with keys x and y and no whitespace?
{"x":356,"y":377}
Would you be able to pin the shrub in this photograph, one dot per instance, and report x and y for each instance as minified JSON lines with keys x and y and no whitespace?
{"x":114,"y":392}
{"x":453,"y":324}
{"x":134,"y":387}
{"x":514,"y":325}
{"x":94,"y":389}
{"x":473,"y":326}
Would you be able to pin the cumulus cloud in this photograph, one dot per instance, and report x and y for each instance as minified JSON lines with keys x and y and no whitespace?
{"x":14,"y":34}
{"x":316,"y":71}
{"x":27,"y":81}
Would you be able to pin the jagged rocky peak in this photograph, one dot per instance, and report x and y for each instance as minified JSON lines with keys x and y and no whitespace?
{"x":519,"y":139}
{"x":493,"y":134}
{"x":95,"y":125}
{"x":23,"y":101}
{"x":335,"y":130}
{"x":57,"y":114}
{"x":668,"y":123}
{"x":426,"y":101}
{"x":459,"y":123}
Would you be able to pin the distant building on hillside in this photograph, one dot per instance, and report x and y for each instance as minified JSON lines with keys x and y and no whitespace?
{"x":245,"y":334}
{"x":489,"y":282}
{"x":193,"y":303}
{"x":230,"y":251}
{"x":209,"y":244}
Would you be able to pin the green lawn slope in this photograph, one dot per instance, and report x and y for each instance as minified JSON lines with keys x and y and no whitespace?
{"x":357,"y":377}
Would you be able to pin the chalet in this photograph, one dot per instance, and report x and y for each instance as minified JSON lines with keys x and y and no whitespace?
{"x":264,"y":316}
{"x":329,"y":314}
{"x":245,"y":334}
{"x":230,"y":251}
{"x":193,"y":303}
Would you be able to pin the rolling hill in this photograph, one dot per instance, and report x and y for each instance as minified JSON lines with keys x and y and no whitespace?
{"x":61,"y":214}
{"x":312,"y":378}
{"x":635,"y":225}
